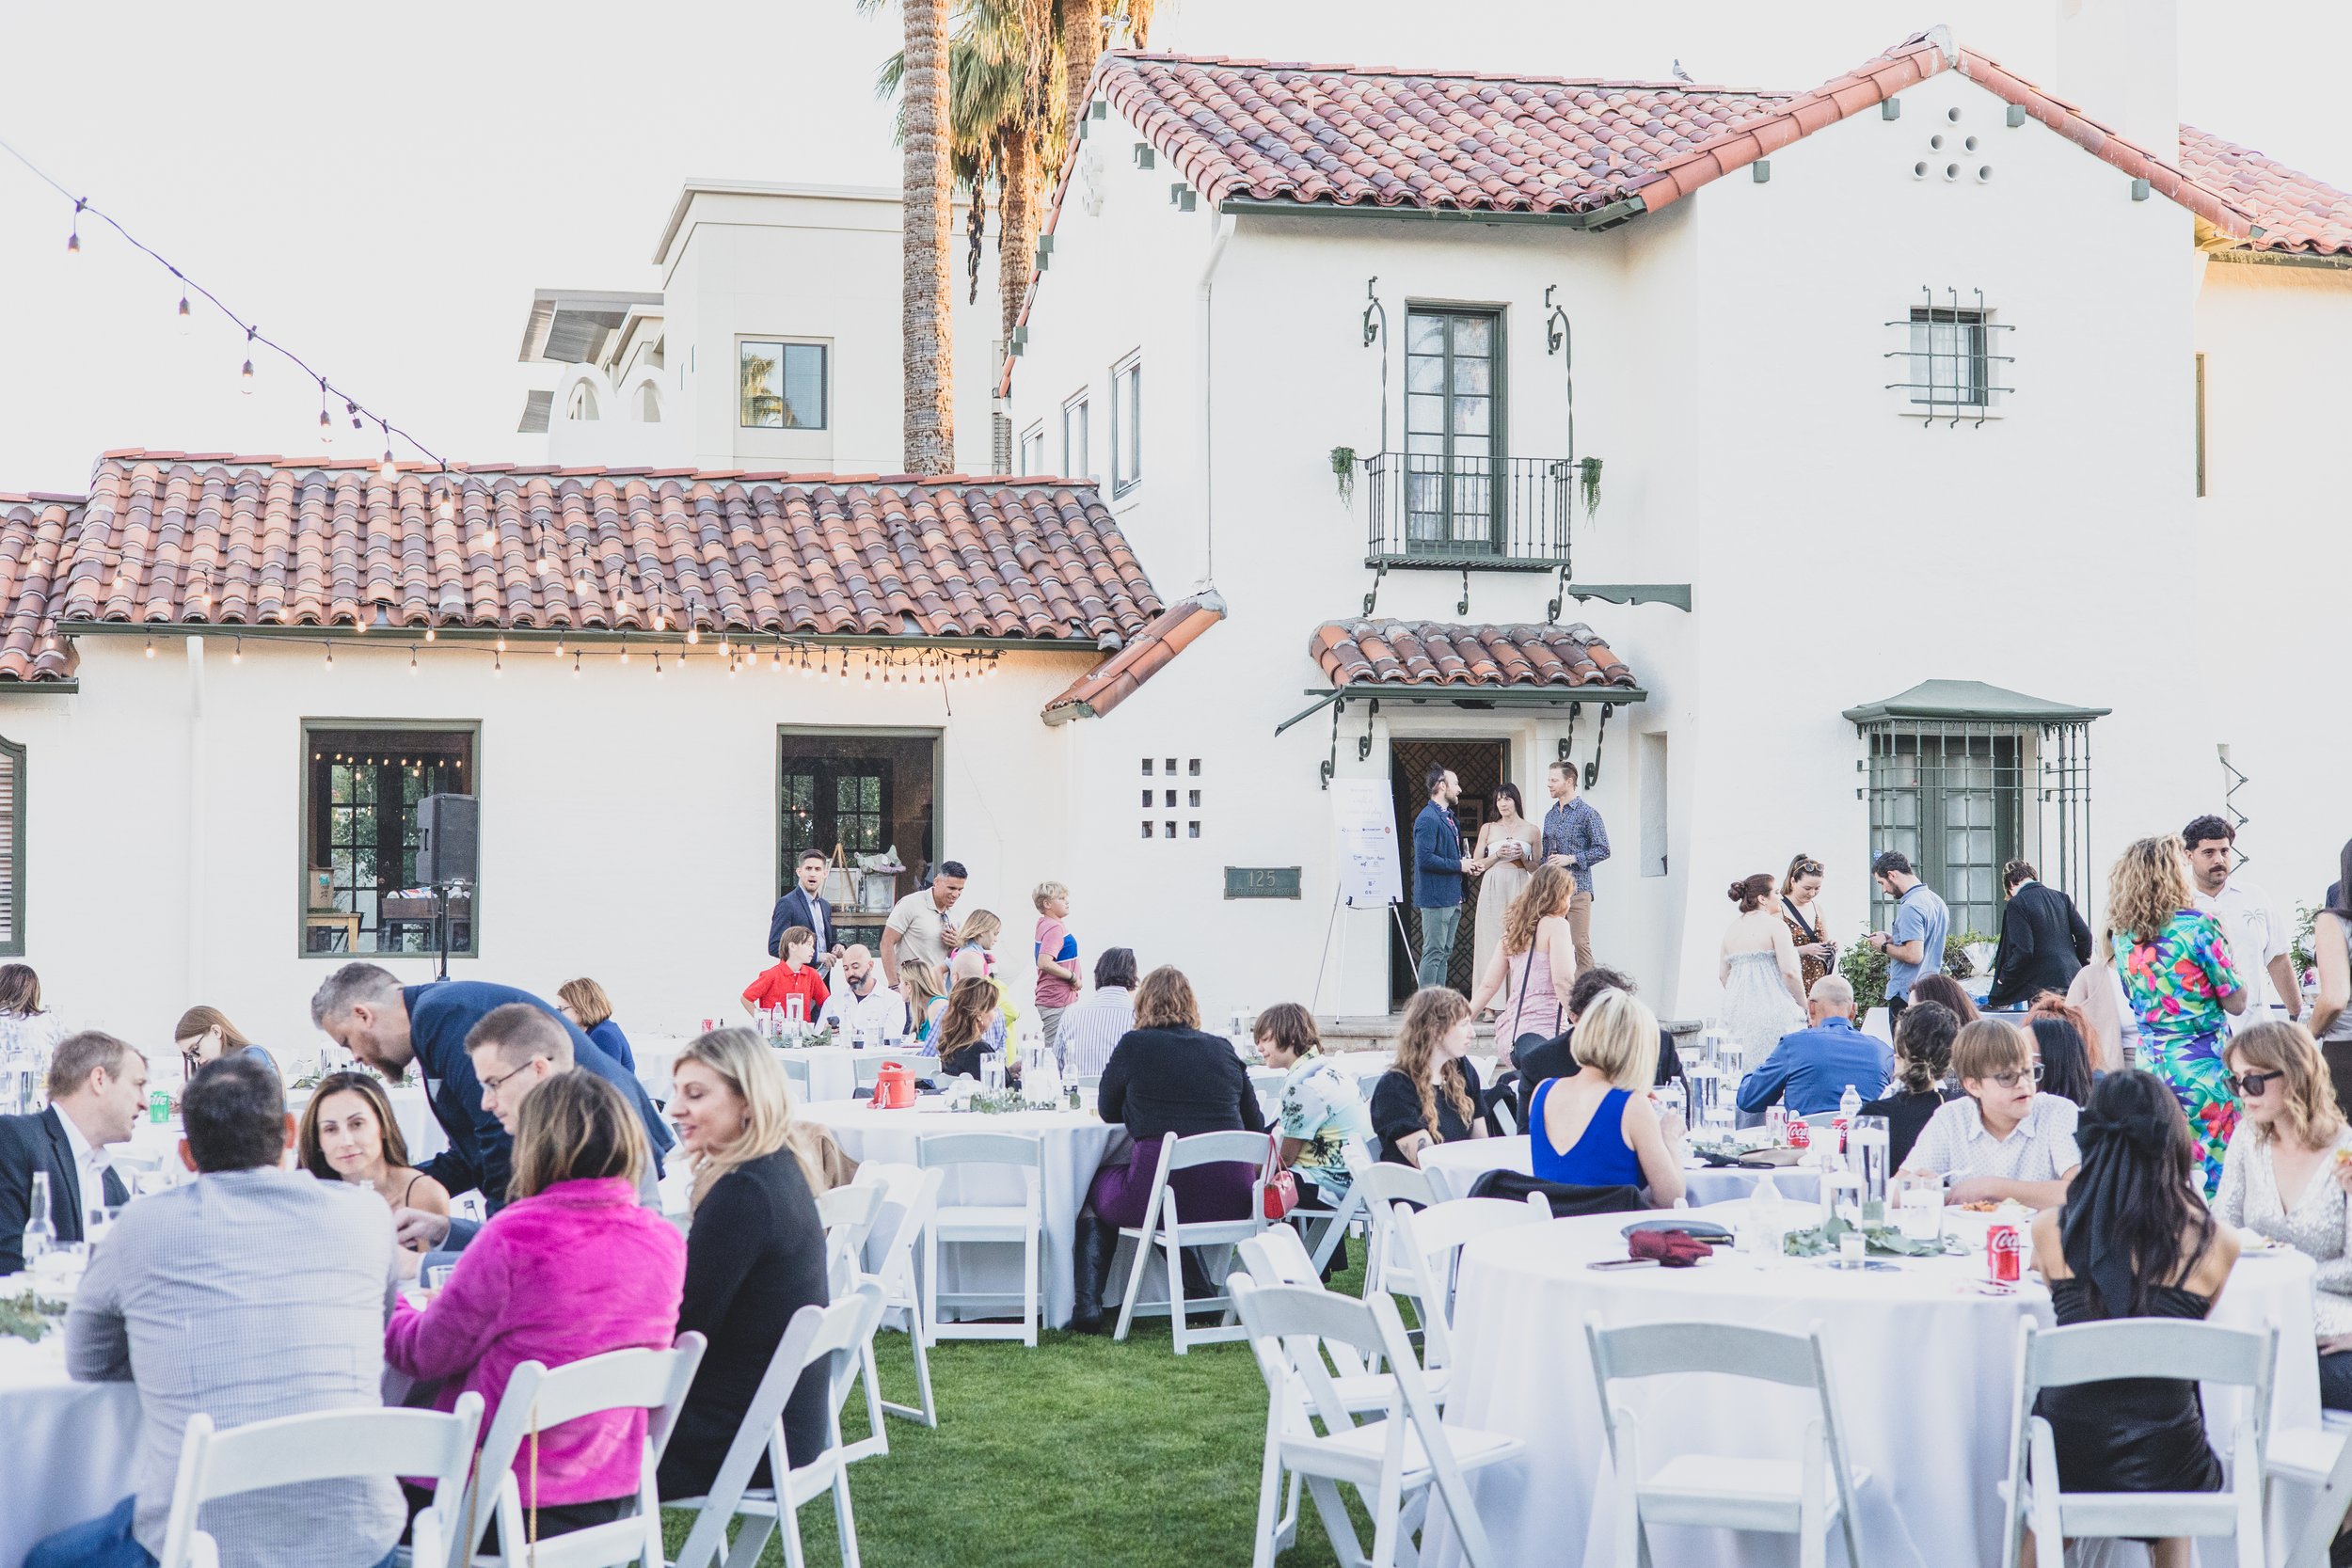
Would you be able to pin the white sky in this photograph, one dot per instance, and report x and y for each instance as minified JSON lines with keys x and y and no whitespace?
{"x":382,"y":188}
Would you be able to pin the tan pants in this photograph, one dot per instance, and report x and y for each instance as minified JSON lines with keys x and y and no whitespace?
{"x":1580,"y":929}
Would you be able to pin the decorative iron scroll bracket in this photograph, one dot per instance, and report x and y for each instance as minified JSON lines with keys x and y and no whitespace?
{"x":1363,"y":743}
{"x":1331,"y":764}
{"x":1592,"y":768}
{"x":1372,"y":598}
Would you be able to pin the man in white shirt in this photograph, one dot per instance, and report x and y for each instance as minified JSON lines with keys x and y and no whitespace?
{"x":2259,"y":938}
{"x":857,"y":1003}
{"x":96,"y":1091}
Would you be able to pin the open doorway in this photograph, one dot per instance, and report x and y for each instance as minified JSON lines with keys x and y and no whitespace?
{"x":858,"y":792}
{"x":1480,"y":765}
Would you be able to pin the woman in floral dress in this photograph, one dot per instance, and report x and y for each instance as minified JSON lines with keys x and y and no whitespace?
{"x":2177,"y":974}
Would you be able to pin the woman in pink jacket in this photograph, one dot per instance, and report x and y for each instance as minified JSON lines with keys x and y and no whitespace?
{"x":572,"y":1267}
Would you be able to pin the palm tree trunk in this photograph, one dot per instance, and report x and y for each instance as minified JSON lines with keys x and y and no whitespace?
{"x":1016,"y":216}
{"x":1081,"y":41}
{"x":927,"y":320}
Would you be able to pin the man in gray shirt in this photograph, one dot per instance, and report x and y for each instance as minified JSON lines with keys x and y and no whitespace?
{"x":250,"y":1293}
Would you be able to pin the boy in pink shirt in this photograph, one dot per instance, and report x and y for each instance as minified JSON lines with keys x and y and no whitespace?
{"x":1057,"y":959}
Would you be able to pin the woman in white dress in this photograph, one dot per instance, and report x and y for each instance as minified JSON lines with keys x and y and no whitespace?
{"x":1763,"y":996}
{"x":1506,"y":852}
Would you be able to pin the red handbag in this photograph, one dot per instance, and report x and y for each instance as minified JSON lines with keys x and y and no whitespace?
{"x":1281,"y":1187}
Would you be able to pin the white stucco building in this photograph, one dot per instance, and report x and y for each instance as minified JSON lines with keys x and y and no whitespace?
{"x":1958,"y":458}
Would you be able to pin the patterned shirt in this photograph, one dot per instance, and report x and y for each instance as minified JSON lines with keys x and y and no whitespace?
{"x":1323,"y":1107}
{"x":1955,"y":1143}
{"x":1092,"y":1027}
{"x":1576,"y":829}
{"x":2175,"y":984}
{"x":248,"y":1295}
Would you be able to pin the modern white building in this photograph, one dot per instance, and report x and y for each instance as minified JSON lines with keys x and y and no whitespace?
{"x":771,"y":341}
{"x":1816,"y":470}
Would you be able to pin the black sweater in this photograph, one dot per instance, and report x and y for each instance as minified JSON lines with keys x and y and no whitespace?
{"x":755,"y":1257}
{"x":1180,"y":1081}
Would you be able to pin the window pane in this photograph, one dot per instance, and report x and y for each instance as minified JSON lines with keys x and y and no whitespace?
{"x":1425,"y":334}
{"x":1424,"y":374}
{"x":762,"y":391}
{"x":1473,"y":333}
{"x":1472,"y":416}
{"x":360,"y":840}
{"x":804,"y":387}
{"x":1424,"y":415}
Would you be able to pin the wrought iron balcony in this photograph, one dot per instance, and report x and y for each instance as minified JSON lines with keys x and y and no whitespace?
{"x":1452,"y":513}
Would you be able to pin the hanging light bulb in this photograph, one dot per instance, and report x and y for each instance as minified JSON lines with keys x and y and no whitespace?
{"x":330,"y":656}
{"x":657,"y":662}
{"x":693,"y":634}
{"x":501,"y":643}
{"x":443,"y":506}
{"x":388,"y":470}
{"x":559,"y":644}
{"x":412,"y":659}
{"x":184,"y":322}
{"x":236,"y":655}
{"x":151,"y":647}
{"x":353,"y":409}
{"x":430,"y":634}
{"x":73,"y":240}
{"x":624,"y":650}
{"x":498,"y":663}
{"x":574,"y":665}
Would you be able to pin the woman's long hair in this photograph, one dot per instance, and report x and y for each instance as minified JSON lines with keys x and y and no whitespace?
{"x":1511,"y":792}
{"x":574,"y":1126}
{"x":311,"y":1156}
{"x":1165,"y":1001}
{"x":19,"y":991}
{"x":2132,"y":1206}
{"x":2147,"y":886}
{"x":924,"y":976}
{"x":743,"y":1062}
{"x":964,"y":1024}
{"x":1937,"y":985}
{"x":2312,"y":1118}
{"x":1432,"y":1011}
{"x":2065,"y":1060}
{"x":1547,"y":893}
{"x":199,"y":1021}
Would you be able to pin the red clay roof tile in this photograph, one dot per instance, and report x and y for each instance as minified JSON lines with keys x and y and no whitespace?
{"x":2298,"y":215}
{"x":237,"y":542}
{"x":1427,"y":652}
{"x":1113,"y":681}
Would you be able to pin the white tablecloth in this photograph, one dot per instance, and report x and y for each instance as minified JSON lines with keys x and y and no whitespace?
{"x":1924,"y":1367}
{"x":1076,"y":1144}
{"x":1452,"y":1168}
{"x":831,"y":1068}
{"x":72,"y":1448}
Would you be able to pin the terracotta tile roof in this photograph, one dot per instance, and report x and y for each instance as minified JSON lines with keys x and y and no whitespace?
{"x":174,"y":538}
{"x":2298,"y":215}
{"x":1113,"y":681}
{"x":1427,"y":652}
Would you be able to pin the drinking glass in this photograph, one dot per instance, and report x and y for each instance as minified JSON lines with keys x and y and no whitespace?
{"x":1920,"y":1207}
{"x":437,"y":1275}
{"x":1868,"y":1141}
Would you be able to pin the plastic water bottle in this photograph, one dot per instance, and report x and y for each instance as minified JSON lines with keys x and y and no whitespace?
{"x":1764,"y":1217}
{"x":40,"y":1233}
{"x":1848,"y":1107}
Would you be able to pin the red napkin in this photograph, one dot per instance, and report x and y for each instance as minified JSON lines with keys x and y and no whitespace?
{"x":1674,"y":1249}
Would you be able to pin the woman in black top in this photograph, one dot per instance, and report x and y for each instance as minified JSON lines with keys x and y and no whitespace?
{"x":2058,"y":1043}
{"x":1164,"y":1076}
{"x":963,"y":1034}
{"x":1923,"y":1059}
{"x":1430,"y":1095}
{"x":755,"y":1255}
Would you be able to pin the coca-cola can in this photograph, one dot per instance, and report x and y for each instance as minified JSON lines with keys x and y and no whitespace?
{"x":1799,"y":1135}
{"x":2004,"y":1255}
{"x":1837,"y":1130}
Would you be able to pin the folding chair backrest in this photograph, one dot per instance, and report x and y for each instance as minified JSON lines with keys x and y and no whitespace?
{"x":849,"y":1212}
{"x":910,"y":1194}
{"x":1276,"y":1256}
{"x":2154,"y":1347}
{"x":980,"y":1149}
{"x":1652,"y":1350}
{"x":795,"y":1068}
{"x":1385,"y":1182}
{"x":865,"y":1065}
{"x":1217,"y":1149}
{"x":325,"y":1445}
{"x":1425,"y":1246}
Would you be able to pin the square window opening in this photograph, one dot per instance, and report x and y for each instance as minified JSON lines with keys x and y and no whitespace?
{"x":782,"y":385}
{"x":364,"y":789}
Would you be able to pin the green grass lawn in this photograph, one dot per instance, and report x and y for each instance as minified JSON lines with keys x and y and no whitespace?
{"x":1078,"y":1453}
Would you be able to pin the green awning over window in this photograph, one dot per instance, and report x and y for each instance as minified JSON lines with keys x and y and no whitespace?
{"x":1971,"y":702}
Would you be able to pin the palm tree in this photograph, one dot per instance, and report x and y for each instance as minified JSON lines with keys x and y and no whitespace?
{"x":927,"y":324}
{"x":1081,"y":25}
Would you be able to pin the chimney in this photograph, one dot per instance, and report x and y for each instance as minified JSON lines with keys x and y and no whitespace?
{"x":2119,"y":61}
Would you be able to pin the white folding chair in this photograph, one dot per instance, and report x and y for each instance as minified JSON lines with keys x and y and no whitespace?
{"x":2321,"y":1458}
{"x":1504,"y":1118}
{"x":848,"y":1214}
{"x":912,"y":1194}
{"x":795,"y":1068}
{"x":326,"y":1445}
{"x":1393,"y":1462}
{"x":1423,"y":1248}
{"x":1276,"y":1256}
{"x":2137,"y":1347}
{"x":1802,"y":1496}
{"x":969,"y":1223}
{"x":537,"y":1400}
{"x":1165,"y":1229}
{"x":865,"y":1065}
{"x":827,"y":1335}
{"x":1383,"y":1184}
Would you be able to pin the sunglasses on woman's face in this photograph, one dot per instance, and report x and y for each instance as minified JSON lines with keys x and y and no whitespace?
{"x":2252,"y":1086}
{"x":2012,"y":1080}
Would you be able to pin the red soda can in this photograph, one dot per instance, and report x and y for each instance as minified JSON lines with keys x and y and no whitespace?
{"x":2004,"y":1255}
{"x":1837,"y":1127}
{"x":1799,"y":1135}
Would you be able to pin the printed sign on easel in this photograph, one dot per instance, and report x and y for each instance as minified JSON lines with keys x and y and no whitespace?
{"x":1370,"y":873}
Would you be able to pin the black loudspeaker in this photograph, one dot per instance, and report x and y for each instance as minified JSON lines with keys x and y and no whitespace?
{"x":449,"y":830}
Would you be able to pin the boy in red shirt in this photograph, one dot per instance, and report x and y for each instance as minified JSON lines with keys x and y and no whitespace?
{"x":795,"y":977}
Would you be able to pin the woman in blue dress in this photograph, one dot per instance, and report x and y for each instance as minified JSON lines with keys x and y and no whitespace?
{"x":1600,"y":1128}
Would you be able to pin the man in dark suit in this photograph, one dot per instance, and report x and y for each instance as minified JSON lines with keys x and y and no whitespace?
{"x":802,"y":907}
{"x":2044,"y":940}
{"x":364,"y":1009}
{"x":97,"y":1091}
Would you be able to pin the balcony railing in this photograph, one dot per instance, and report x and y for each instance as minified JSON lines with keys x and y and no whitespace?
{"x":1435,"y":511}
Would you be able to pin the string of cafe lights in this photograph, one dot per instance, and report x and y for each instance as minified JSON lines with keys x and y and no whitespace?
{"x":256,"y":340}
{"x":942,"y":668}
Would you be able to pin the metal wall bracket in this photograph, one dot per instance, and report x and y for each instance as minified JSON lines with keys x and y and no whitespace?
{"x":1363,"y":743}
{"x":1463,"y":608}
{"x":1374,"y":598}
{"x":1330,"y":765}
{"x":1375,"y":313}
{"x":1559,"y":596}
{"x":1592,"y":768}
{"x":1568,"y":742}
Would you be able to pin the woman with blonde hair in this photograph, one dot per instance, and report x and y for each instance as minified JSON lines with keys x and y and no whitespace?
{"x":1534,"y":962}
{"x":1430,"y":1094}
{"x":585,"y":1004}
{"x":926,"y":995}
{"x":1800,"y":911}
{"x":2178,"y":979}
{"x":2286,"y":1173}
{"x":205,"y":1035}
{"x":348,"y":1134}
{"x":1600,"y":1128}
{"x":755,"y":1252}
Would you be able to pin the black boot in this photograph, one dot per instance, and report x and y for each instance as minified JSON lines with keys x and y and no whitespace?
{"x":1198,"y":1285}
{"x":1093,"y":1248}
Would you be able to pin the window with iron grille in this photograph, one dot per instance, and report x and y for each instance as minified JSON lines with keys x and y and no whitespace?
{"x":1951,"y":365}
{"x":12,"y":850}
{"x":360,"y":836}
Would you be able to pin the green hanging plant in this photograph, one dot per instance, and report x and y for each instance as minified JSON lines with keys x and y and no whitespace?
{"x":1588,"y":485}
{"x":1343,"y":470}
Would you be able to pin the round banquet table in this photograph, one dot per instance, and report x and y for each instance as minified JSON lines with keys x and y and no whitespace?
{"x":1925,"y":1365}
{"x":831,"y":1068}
{"x":1076,"y":1144}
{"x":73,"y":1447}
{"x":1452,"y":1168}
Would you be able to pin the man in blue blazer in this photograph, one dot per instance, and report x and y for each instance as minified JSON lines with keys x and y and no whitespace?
{"x":97,"y":1092}
{"x":367,"y":1011}
{"x":802,"y":907}
{"x":1438,"y":867}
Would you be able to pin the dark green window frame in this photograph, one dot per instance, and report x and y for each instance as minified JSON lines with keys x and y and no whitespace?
{"x":12,"y":850}
{"x":471,"y":728}
{"x":1468,"y":484}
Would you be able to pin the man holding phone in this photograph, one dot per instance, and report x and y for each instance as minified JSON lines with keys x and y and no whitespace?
{"x":1915,"y":946}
